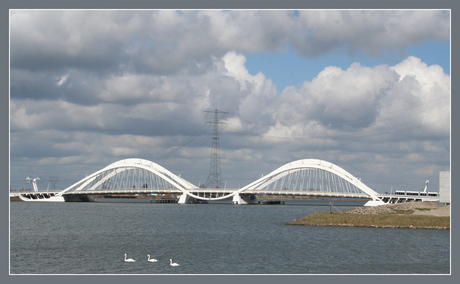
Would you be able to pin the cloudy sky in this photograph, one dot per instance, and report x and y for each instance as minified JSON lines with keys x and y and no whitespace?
{"x":368,"y":90}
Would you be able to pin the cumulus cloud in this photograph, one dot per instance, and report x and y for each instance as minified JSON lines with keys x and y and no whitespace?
{"x":380,"y":99}
{"x":93,"y":87}
{"x":339,"y":98}
{"x":165,"y":42}
{"x":372,"y":31}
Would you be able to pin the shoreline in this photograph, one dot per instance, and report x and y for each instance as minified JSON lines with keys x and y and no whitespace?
{"x":412,"y":215}
{"x":373,"y":226}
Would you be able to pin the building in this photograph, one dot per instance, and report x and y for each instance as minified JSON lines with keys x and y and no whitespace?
{"x":444,"y":187}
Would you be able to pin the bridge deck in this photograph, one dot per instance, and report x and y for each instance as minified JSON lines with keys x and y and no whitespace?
{"x":222,"y":192}
{"x":205,"y":191}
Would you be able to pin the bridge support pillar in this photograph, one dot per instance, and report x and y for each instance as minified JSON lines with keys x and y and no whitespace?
{"x":183,"y":199}
{"x":244,"y":199}
{"x":374,"y":203}
{"x":187,"y":199}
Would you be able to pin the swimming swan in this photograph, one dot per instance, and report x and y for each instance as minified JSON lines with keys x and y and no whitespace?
{"x":173,"y":264}
{"x":151,"y":260}
{"x":129,"y":259}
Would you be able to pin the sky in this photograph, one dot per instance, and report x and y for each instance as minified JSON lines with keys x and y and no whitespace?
{"x":367,"y":90}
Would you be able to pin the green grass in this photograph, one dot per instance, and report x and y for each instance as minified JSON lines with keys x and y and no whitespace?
{"x":378,"y":220}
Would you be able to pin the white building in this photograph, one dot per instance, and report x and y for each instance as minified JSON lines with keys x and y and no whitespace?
{"x":444,"y":187}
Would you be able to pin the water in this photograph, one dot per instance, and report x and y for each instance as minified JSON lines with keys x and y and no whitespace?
{"x":92,"y":238}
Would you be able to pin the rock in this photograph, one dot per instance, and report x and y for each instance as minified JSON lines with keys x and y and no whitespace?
{"x":432,"y":208}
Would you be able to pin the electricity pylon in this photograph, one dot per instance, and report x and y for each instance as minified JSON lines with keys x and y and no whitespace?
{"x":52,"y":181}
{"x":215,"y":180}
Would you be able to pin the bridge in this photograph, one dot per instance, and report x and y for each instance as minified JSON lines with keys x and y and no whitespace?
{"x":307,"y":178}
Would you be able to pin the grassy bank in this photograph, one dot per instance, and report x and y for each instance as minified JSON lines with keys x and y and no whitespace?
{"x":384,"y":220}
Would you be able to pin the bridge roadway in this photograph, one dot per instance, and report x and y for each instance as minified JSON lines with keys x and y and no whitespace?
{"x":213,"y":192}
{"x":205,"y":192}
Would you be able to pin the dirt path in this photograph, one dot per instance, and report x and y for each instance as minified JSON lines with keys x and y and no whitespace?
{"x":434,"y":209}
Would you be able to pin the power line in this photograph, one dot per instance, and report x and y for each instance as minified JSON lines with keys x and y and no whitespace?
{"x":183,"y":144}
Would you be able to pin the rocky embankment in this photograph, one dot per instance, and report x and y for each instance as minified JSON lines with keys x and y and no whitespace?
{"x":409,"y":208}
{"x":413,"y":215}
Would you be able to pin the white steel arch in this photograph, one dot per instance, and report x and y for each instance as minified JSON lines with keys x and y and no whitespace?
{"x":313,"y":164}
{"x":126,"y":164}
{"x":185,"y":186}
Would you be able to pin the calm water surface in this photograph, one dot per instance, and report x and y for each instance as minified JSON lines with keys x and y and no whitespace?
{"x":92,"y":238}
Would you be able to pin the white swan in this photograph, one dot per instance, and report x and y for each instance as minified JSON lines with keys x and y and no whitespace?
{"x":173,"y":264}
{"x":129,"y":259}
{"x":151,"y":260}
